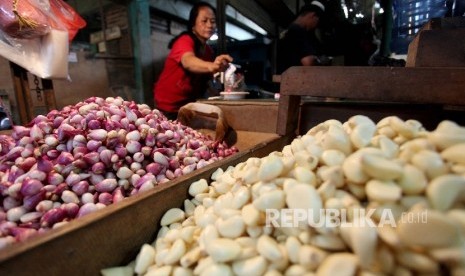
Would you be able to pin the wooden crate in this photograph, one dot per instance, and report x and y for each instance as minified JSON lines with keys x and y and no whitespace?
{"x":113,"y":236}
{"x":430,"y":94}
{"x":249,"y":114}
{"x":439,"y":43}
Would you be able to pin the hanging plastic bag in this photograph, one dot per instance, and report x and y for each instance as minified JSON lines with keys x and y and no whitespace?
{"x":23,"y":19}
{"x":66,"y":17}
{"x":44,"y":53}
{"x":45,"y":56}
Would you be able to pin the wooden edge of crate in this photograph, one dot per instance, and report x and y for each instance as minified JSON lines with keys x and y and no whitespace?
{"x":420,"y":85}
{"x":113,"y":236}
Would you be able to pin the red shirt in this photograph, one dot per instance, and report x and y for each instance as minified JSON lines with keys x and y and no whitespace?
{"x":176,"y":86}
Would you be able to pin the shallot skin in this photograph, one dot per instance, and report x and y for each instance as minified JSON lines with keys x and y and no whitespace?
{"x":77,"y":160}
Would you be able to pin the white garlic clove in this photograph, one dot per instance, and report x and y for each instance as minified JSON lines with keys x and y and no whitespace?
{"x":171,"y":216}
{"x":341,"y":264}
{"x":383,"y":191}
{"x":198,"y":187}
{"x":270,"y":200}
{"x":332,"y":157}
{"x":429,"y":228}
{"x":413,"y":180}
{"x":311,"y":257}
{"x":232,"y":227}
{"x":444,"y":190}
{"x":144,"y":259}
{"x":223,"y":250}
{"x":159,"y":271}
{"x":268,"y":248}
{"x":363,"y":240}
{"x":270,"y":168}
{"x":253,"y":266}
{"x":177,"y":250}
{"x":455,"y":153}
{"x":429,"y":162}
{"x":417,"y":262}
{"x":362,"y":134}
{"x":380,"y":168}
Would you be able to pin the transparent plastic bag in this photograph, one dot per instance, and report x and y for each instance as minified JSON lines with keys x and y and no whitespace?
{"x":23,"y":19}
{"x":45,"y":56}
{"x":42,"y":51}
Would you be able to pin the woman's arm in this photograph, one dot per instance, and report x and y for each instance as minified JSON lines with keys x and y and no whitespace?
{"x":309,"y":60}
{"x":196,"y":65}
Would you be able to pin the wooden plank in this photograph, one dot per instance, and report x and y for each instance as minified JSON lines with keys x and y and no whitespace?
{"x":382,"y":85}
{"x":444,"y":23}
{"x":113,"y":236}
{"x":379,"y":84}
{"x":49,"y":95}
{"x":249,"y":114}
{"x":22,"y":93}
{"x":288,"y":114}
{"x":276,"y":78}
{"x":428,"y":49}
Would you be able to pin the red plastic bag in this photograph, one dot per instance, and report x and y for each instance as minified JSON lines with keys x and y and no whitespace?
{"x":27,"y":19}
{"x":23,"y":19}
{"x":65,"y":16}
{"x":35,"y":34}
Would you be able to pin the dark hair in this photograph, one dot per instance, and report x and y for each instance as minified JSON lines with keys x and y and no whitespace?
{"x":194,"y":13}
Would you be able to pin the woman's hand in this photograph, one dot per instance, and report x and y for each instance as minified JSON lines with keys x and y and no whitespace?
{"x":196,"y":65}
{"x":221,"y":63}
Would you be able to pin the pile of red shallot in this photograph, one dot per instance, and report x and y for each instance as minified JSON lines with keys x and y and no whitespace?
{"x":82,"y":158}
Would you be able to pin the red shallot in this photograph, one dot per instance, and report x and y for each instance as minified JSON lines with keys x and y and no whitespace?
{"x":79,"y":159}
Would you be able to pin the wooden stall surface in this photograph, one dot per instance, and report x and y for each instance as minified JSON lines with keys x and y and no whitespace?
{"x":113,"y":236}
{"x":383,"y":85}
{"x":439,"y":43}
{"x":249,"y":114}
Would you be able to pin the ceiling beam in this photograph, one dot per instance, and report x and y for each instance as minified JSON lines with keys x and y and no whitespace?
{"x":256,"y":13}
{"x":278,"y":10}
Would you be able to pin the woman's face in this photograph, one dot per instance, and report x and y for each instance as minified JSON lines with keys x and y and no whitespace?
{"x":205,"y":24}
{"x":312,"y":21}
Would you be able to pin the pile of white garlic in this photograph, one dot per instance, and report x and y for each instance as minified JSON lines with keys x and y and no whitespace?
{"x":409,"y":181}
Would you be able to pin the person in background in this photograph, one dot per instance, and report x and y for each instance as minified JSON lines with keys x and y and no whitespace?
{"x":191,"y":64}
{"x":297,"y":45}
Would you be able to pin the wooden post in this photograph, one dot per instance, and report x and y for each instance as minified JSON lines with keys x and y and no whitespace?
{"x":22,"y":93}
{"x":139,"y":19}
{"x":221,"y":25}
{"x":288,"y":114}
{"x":49,"y":95}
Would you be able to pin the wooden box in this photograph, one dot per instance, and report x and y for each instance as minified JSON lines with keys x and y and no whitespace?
{"x":440,"y":43}
{"x":113,"y":236}
{"x":249,"y":114}
{"x":310,"y":95}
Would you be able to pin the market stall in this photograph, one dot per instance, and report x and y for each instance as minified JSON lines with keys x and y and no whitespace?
{"x":110,"y":186}
{"x":399,"y":186}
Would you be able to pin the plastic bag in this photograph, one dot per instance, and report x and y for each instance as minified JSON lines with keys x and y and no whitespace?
{"x":28,"y":19}
{"x":44,"y":53}
{"x":66,"y":17}
{"x":233,"y":80}
{"x":23,"y":19}
{"x":45,"y":56}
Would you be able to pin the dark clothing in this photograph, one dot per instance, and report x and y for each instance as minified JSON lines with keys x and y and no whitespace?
{"x":294,"y":44}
